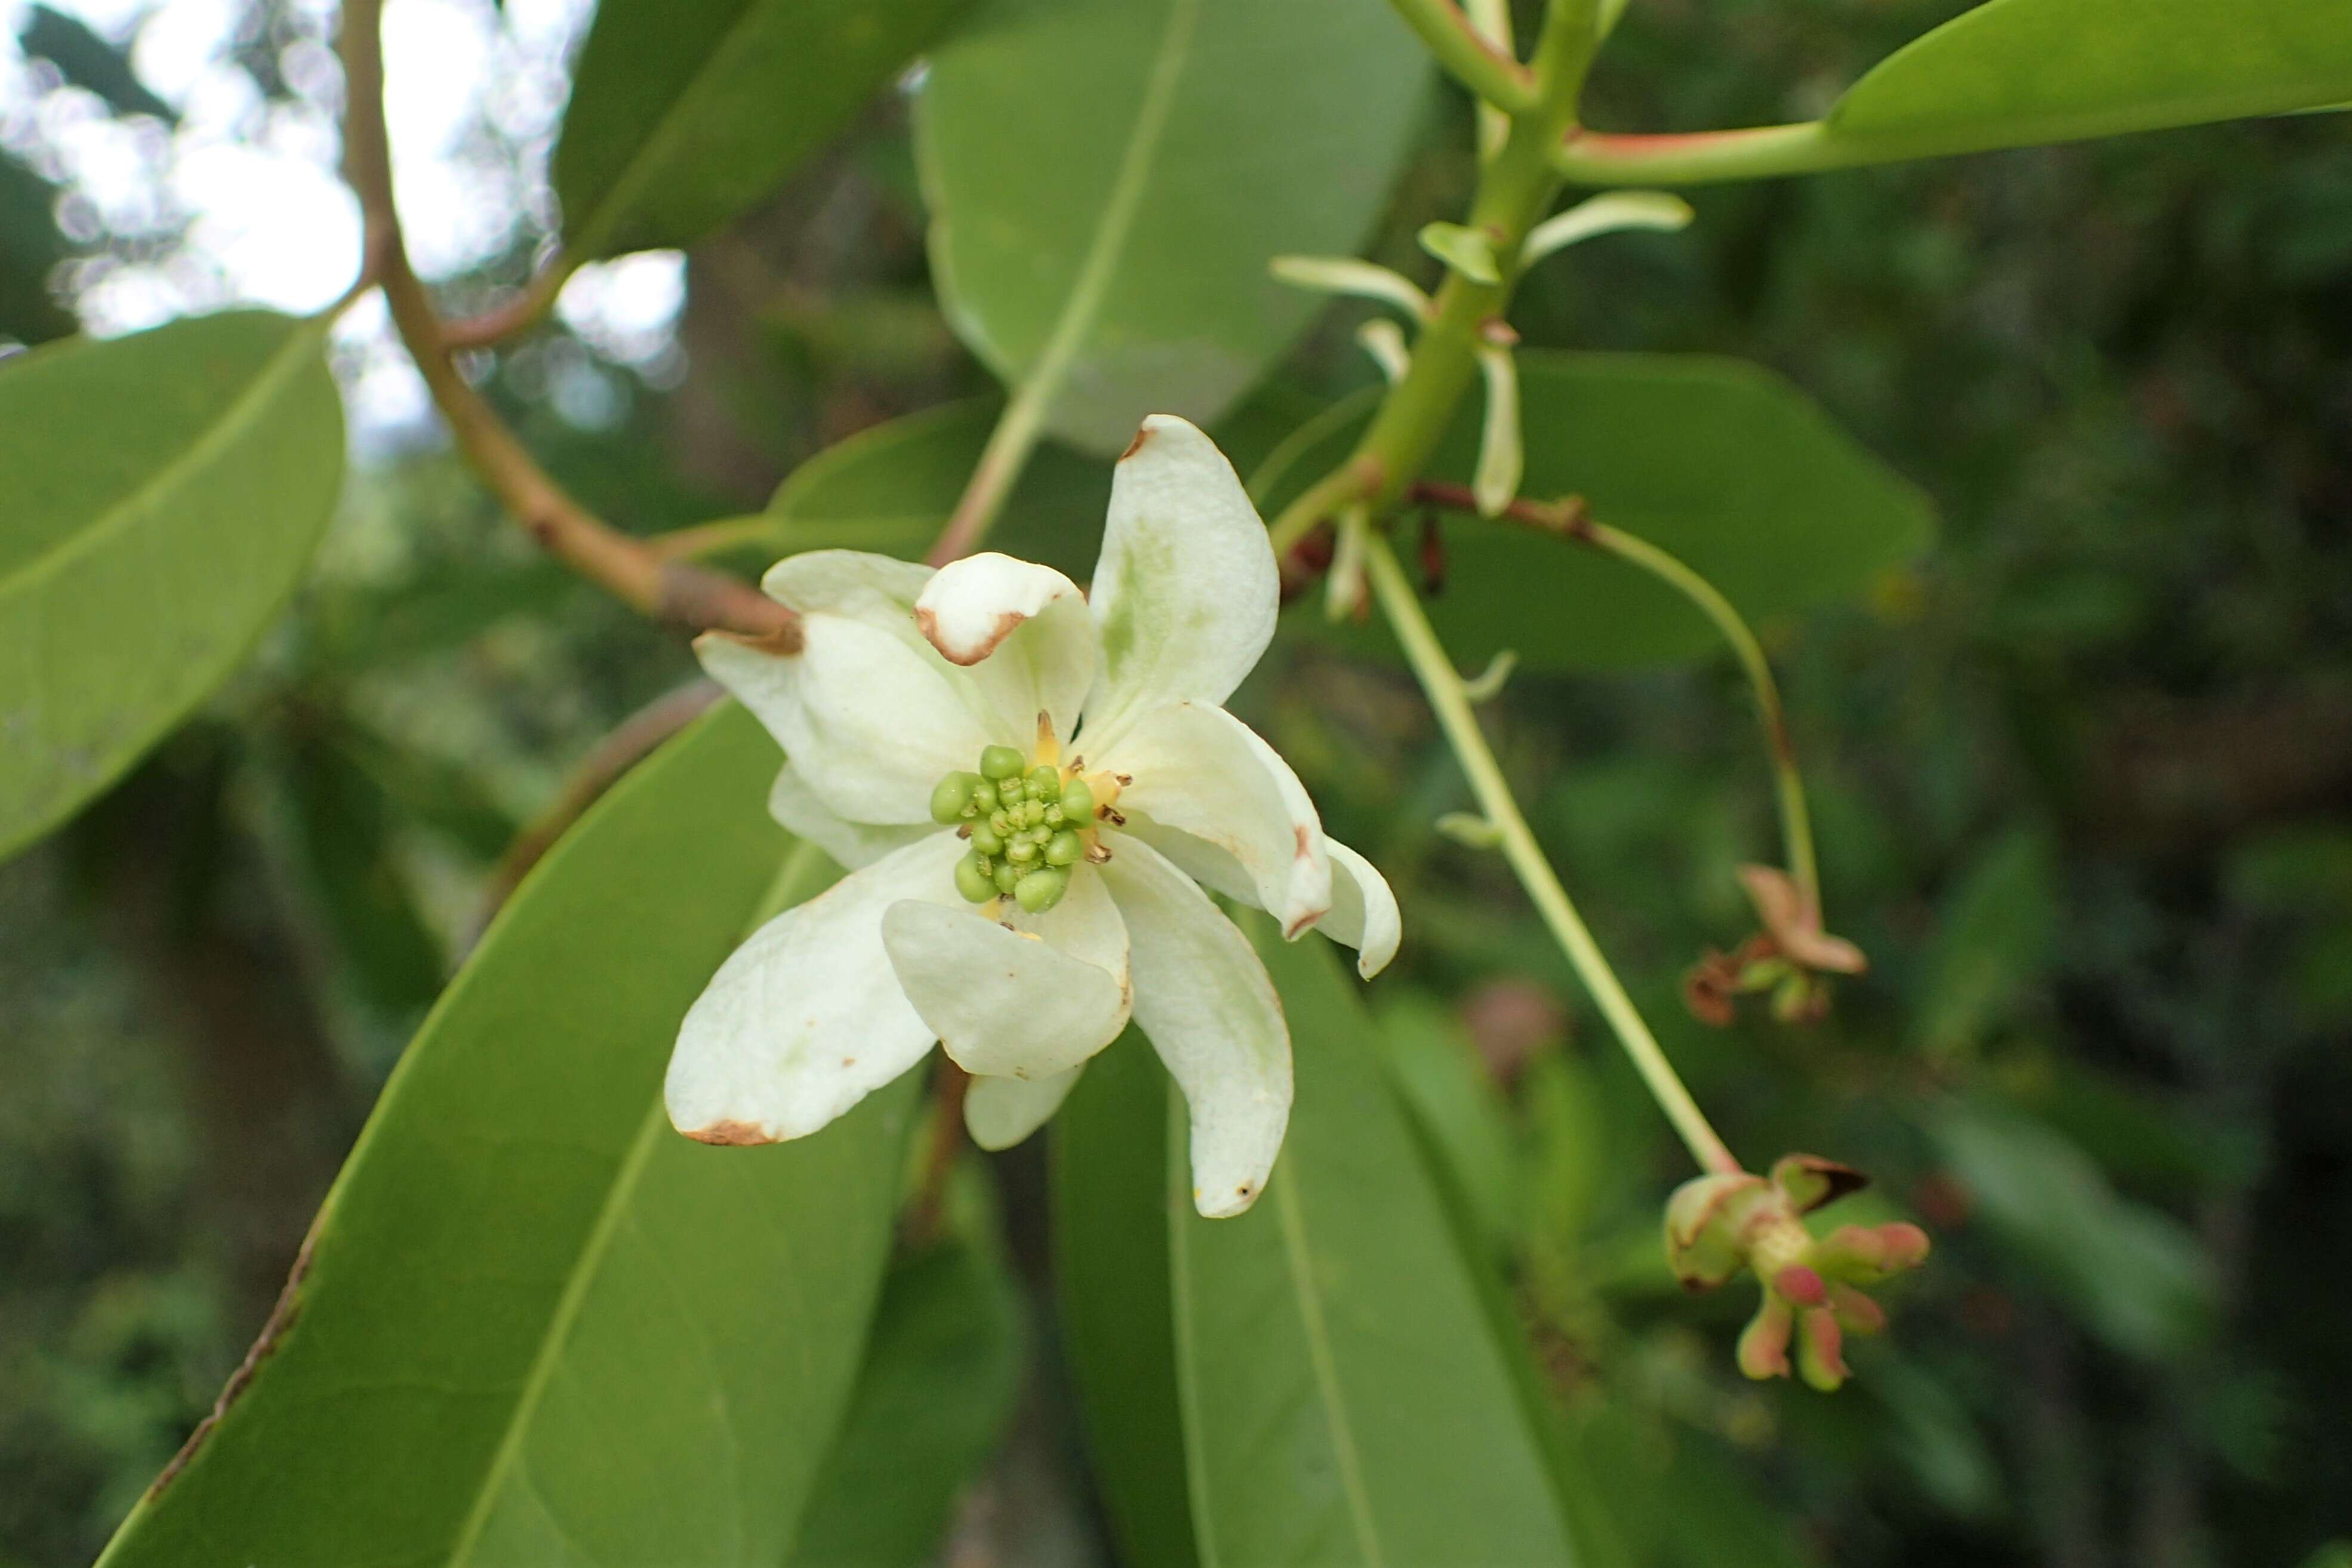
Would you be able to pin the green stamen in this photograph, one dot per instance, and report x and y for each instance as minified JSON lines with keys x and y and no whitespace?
{"x":999,"y":762}
{"x":1025,"y":823}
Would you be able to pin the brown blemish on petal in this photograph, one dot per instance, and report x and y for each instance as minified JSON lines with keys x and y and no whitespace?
{"x":1306,"y":841}
{"x":1142,"y":435}
{"x":729,"y":1134}
{"x":1007,"y":622}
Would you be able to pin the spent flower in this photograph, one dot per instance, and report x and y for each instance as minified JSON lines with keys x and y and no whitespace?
{"x":1814,"y":1287}
{"x":1031,"y":786}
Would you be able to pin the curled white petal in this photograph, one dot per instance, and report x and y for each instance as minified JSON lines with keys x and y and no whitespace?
{"x":1363,"y":910}
{"x":1186,"y":591}
{"x":1205,"y":1000}
{"x":1200,"y":771}
{"x":1022,"y":630}
{"x":1002,"y":1111}
{"x":851,"y":845}
{"x":1605,"y":214}
{"x":806,"y":1018}
{"x":869,"y":722}
{"x":877,"y":589}
{"x":1015,"y":1004}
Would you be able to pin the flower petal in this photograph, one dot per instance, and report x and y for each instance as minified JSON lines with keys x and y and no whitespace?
{"x":879,"y":590}
{"x":1015,"y":1004}
{"x":1001,"y":1111}
{"x":1186,"y":590}
{"x":1363,"y":910}
{"x":1211,"y":1010}
{"x":1198,"y":769}
{"x":867,"y":725}
{"x":851,"y":845}
{"x":1022,"y":630}
{"x":806,"y":1018}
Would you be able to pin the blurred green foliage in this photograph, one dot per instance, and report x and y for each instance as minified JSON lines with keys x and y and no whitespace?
{"x":2081,"y":778}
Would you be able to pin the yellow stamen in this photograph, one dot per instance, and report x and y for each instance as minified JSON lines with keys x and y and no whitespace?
{"x":1049,"y":749}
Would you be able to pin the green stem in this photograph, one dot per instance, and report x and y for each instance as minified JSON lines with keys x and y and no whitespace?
{"x":1796,"y":824}
{"x":1443,"y":685}
{"x":1476,"y":63}
{"x":1756,"y":152}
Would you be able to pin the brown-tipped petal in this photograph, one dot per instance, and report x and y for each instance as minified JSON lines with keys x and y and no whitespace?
{"x":1856,"y":1314}
{"x":1764,"y":1343}
{"x":1795,"y":924}
{"x":1811,"y":1181}
{"x":1708,"y":990}
{"x":1821,"y":1360}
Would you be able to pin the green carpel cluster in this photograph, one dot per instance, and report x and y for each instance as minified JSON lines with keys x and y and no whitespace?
{"x":1023,"y":822}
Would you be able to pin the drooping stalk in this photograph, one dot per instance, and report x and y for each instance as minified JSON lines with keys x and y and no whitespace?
{"x":1516,"y":841}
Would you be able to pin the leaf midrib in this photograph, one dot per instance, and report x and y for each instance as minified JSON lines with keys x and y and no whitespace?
{"x":233,"y":423}
{"x":597,"y":228}
{"x":1283,"y":1194}
{"x":588,"y":1265}
{"x":1120,"y":209}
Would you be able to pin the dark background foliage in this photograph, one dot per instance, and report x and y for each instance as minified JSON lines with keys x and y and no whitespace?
{"x":2081,"y":777}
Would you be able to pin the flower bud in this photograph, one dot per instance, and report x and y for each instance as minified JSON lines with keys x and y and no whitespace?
{"x":1041,"y":889}
{"x":983,"y":797}
{"x":1706,"y":1220}
{"x":1044,"y":783}
{"x":1007,"y":877}
{"x":1064,"y":848}
{"x":987,"y":839}
{"x":999,"y":762}
{"x":1021,"y":851}
{"x":1821,"y":1360}
{"x":1077,"y":801}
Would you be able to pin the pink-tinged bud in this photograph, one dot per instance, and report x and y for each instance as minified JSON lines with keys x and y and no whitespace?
{"x":1820,"y":1347}
{"x":1706,"y":1220}
{"x":1864,"y":1255}
{"x":1764,"y":1343}
{"x":1811,"y":1181}
{"x":1800,"y":1285}
{"x":1856,"y":1314}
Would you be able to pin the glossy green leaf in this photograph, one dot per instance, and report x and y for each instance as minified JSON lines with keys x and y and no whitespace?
{"x":164,"y":492}
{"x":87,"y":61}
{"x":1108,"y":179}
{"x":1344,"y":1399}
{"x":1111,"y":1209}
{"x":1447,"y":1091}
{"x":941,"y":1375}
{"x":534,"y":1325}
{"x":686,"y":113}
{"x":2012,"y":72}
{"x":1718,"y":461}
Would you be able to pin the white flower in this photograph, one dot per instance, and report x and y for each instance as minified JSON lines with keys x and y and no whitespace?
{"x":1027,"y":786}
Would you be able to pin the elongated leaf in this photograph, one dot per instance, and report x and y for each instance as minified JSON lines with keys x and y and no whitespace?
{"x":533,"y":1324}
{"x":163,"y":493}
{"x":1344,"y":1401}
{"x":345,"y":823}
{"x":1108,"y":179}
{"x":2012,"y":72}
{"x":685,"y":113}
{"x":1111,"y":1197}
{"x":932,"y":1398}
{"x":1720,"y":462}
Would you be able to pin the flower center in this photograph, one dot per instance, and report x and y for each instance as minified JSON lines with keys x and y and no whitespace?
{"x":1029,"y":821}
